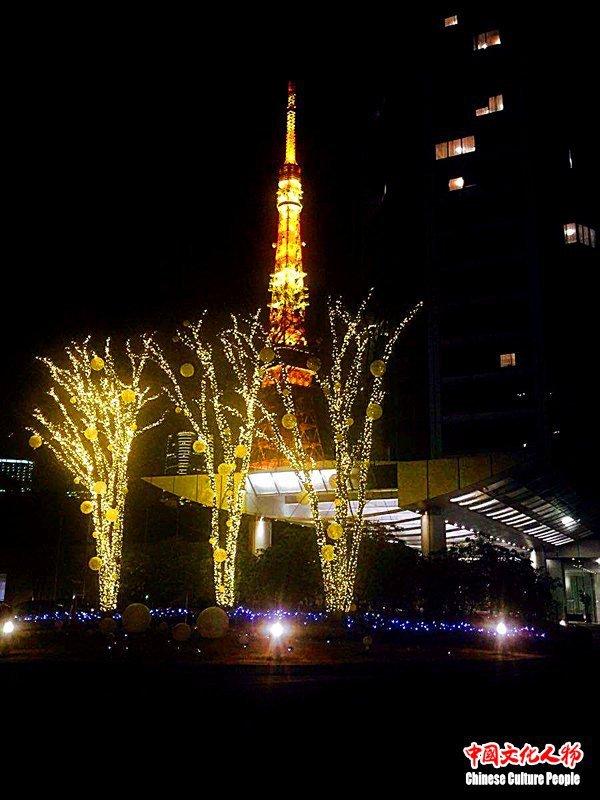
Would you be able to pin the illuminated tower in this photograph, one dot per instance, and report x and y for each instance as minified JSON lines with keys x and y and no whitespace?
{"x":289,"y":299}
{"x":289,"y":296}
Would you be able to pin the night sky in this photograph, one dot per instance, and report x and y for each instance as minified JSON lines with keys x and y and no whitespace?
{"x":141,"y":184}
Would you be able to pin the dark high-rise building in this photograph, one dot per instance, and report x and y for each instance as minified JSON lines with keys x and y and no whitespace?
{"x":512,"y":235}
{"x":180,"y":458}
{"x":16,"y":475}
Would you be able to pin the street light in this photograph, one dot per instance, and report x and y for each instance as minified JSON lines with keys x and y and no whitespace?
{"x":276,"y":630}
{"x":8,"y":627}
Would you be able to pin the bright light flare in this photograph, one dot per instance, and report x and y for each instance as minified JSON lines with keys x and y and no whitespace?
{"x":276,"y":630}
{"x":501,"y":629}
{"x":563,"y":623}
{"x":8,"y":627}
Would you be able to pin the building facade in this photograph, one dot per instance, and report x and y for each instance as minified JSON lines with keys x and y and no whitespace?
{"x":16,"y":475}
{"x":180,"y":458}
{"x":510,"y":222}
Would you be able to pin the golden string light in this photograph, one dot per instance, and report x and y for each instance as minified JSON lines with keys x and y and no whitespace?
{"x":354,"y":394}
{"x":225,"y":433}
{"x":90,"y":427}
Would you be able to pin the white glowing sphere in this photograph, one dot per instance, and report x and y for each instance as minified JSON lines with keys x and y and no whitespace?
{"x":563,"y":622}
{"x":276,"y":630}
{"x":8,"y":627}
{"x":501,"y":629}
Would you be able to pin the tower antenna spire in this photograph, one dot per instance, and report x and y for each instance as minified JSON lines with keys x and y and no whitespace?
{"x":290,"y":135}
{"x":289,"y":296}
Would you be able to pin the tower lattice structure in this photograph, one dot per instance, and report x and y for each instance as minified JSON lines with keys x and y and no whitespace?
{"x":289,"y":300}
{"x":289,"y":296}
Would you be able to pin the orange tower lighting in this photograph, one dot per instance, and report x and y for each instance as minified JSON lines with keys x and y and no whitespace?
{"x":289,"y":296}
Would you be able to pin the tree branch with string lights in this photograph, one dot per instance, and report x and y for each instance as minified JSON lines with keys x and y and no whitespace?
{"x":90,"y":426}
{"x":225,"y":431}
{"x":354,"y":393}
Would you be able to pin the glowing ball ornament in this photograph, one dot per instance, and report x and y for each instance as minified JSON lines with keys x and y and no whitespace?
{"x":107,"y":626}
{"x":374,"y":411}
{"x":348,"y":422}
{"x":333,"y":481}
{"x":35,"y":441}
{"x":289,"y":421}
{"x":335,"y":531}
{"x":178,"y":409}
{"x":91,"y":434}
{"x":97,"y":363}
{"x":95,"y":563}
{"x":377,"y":368}
{"x":199,"y":446}
{"x":328,"y":552}
{"x":77,"y":479}
{"x":241,"y":451}
{"x":182,"y":632}
{"x":226,"y":468}
{"x":136,"y":618}
{"x":133,"y":427}
{"x":100,"y":487}
{"x":276,"y":630}
{"x":339,"y":502}
{"x":86,"y":507}
{"x":187,"y":370}
{"x":128,"y":396}
{"x":220,"y":555}
{"x":212,"y":623}
{"x":314,"y":364}
{"x":73,"y":400}
{"x":212,"y":540}
{"x":266,"y":355}
{"x":111,"y":515}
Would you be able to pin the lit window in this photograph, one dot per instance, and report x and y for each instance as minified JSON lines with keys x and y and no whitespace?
{"x":456,"y":183}
{"x":495,"y":103}
{"x":449,"y":21}
{"x":583,"y":234}
{"x":570,"y":233}
{"x":508,"y":359}
{"x":455,"y":147}
{"x":484,"y":40}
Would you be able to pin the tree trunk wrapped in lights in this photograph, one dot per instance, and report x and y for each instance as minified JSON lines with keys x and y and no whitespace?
{"x":90,"y":428}
{"x":354,"y":394}
{"x":225,"y":434}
